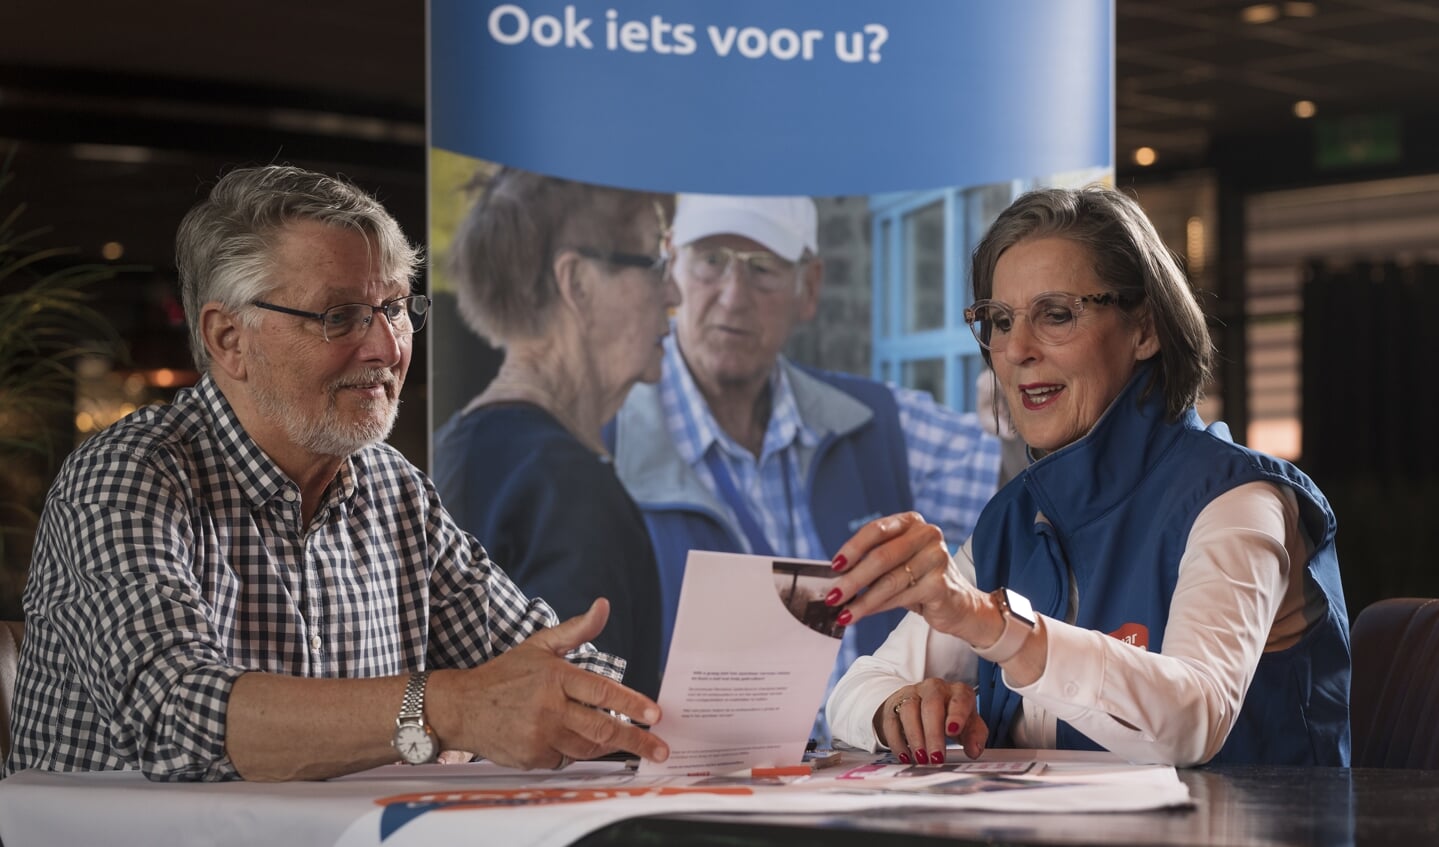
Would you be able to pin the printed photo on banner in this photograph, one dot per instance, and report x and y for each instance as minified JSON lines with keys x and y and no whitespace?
{"x":537,"y":462}
{"x":699,"y":275}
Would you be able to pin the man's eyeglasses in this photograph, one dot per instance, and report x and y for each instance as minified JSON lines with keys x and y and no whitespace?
{"x":656,"y":265}
{"x":350,"y":321}
{"x":1052,"y":317}
{"x":767,"y":272}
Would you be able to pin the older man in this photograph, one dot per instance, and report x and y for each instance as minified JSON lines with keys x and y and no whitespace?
{"x":249,"y":583}
{"x":738,"y":449}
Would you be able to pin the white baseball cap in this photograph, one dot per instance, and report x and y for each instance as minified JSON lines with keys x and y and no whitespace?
{"x":786,"y":225}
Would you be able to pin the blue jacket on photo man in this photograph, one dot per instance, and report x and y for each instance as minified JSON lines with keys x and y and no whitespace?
{"x":737,"y":449}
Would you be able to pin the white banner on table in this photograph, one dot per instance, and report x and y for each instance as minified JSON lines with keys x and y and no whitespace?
{"x":485,"y":804}
{"x":752,"y":651}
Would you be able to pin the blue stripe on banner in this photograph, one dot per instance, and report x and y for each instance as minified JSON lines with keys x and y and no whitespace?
{"x":776,"y":96}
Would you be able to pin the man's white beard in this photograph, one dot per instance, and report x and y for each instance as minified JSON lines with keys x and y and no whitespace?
{"x":327,"y":435}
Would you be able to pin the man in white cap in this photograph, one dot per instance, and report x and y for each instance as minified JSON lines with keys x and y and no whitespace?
{"x":738,"y":449}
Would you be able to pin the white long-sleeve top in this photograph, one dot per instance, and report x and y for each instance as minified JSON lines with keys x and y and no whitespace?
{"x":1236,"y":597}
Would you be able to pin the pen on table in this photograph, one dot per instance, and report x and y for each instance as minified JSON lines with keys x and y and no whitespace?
{"x":789,"y":770}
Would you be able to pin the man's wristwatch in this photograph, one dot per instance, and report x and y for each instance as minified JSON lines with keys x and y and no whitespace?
{"x":1019,"y":623}
{"x":414,"y":740}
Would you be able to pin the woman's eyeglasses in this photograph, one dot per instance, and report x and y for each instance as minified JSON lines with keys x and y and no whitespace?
{"x":656,"y":265}
{"x":350,"y":321}
{"x":1052,"y":317}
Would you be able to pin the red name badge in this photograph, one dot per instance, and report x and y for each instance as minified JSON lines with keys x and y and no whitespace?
{"x":1133,"y":634}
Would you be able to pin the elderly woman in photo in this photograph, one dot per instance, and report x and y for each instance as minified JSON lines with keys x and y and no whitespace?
{"x":571,"y":281}
{"x":1145,"y":586}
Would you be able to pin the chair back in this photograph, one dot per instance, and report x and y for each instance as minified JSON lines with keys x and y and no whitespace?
{"x":1394,"y":704}
{"x":11,"y":633}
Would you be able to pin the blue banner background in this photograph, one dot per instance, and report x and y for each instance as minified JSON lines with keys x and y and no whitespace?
{"x":964,"y":92}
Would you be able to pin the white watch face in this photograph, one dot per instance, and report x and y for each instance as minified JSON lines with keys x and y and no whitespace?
{"x":414,"y":744}
{"x":1021,"y":608}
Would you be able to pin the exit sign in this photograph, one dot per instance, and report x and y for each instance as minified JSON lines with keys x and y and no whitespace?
{"x":1356,"y":140}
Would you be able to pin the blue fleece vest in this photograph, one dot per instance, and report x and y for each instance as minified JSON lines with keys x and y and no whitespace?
{"x":853,"y":477}
{"x":1093,"y":534}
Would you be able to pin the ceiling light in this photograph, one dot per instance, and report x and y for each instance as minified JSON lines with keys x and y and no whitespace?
{"x":112,"y":250}
{"x":1304,"y":109}
{"x":1145,"y":156}
{"x":1259,"y":13}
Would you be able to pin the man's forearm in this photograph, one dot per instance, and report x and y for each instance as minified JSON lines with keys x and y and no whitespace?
{"x":281,"y":727}
{"x":526,"y":708}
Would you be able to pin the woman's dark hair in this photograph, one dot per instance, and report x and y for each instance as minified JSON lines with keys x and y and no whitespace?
{"x":1130,"y":259}
{"x":502,"y":258}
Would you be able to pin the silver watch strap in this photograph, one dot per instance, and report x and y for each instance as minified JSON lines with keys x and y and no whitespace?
{"x":413,"y":706}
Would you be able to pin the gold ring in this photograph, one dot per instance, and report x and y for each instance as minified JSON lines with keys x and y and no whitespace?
{"x":902,"y":701}
{"x":912,"y":580}
{"x":565,"y":761}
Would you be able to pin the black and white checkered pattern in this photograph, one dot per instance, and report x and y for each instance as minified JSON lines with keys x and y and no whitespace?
{"x":171,"y":559}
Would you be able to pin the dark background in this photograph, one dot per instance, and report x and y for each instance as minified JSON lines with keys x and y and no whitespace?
{"x":119,"y":116}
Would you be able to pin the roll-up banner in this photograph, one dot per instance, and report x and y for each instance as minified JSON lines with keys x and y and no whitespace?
{"x":873,"y":101}
{"x":842,"y":97}
{"x":910,"y":124}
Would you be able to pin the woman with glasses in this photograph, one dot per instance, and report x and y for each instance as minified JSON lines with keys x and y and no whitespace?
{"x":571,"y":281}
{"x":1145,"y":585}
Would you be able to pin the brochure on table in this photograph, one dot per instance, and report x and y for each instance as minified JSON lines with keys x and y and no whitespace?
{"x":752,"y":651}
{"x":396,"y":806}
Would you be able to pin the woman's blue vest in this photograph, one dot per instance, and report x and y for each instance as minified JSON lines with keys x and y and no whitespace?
{"x":1093,"y":533}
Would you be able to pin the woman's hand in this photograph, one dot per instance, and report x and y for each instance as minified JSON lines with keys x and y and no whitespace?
{"x":915,"y":721}
{"x":902,"y":561}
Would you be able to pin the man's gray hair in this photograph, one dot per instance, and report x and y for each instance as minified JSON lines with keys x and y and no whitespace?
{"x":224,"y":248}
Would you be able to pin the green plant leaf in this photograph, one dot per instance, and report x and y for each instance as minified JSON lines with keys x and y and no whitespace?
{"x":48,"y":325}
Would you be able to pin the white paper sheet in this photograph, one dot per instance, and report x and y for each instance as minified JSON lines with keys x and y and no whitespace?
{"x":553,"y":810}
{"x":752,"y":651}
{"x":483,"y":803}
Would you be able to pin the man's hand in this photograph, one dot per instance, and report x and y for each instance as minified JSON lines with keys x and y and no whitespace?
{"x":530,"y":708}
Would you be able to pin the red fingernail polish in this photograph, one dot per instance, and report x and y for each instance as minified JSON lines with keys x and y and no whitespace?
{"x":839,"y":562}
{"x":844,"y":618}
{"x":833,"y":596}
{"x":952,"y":729}
{"x":937,"y":757}
{"x":904,"y":757}
{"x":921,"y":757}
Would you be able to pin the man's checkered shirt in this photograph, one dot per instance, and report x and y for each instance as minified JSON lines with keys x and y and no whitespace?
{"x":171,"y":559}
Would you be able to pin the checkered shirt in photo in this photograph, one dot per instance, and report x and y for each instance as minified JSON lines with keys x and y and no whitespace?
{"x":953,"y":462}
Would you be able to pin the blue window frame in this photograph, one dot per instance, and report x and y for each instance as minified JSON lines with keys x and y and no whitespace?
{"x":922,"y":244}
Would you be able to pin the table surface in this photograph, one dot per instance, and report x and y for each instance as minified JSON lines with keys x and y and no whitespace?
{"x":1269,"y":806}
{"x":1234,"y":806}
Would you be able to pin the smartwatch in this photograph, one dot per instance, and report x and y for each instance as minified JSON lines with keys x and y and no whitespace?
{"x":414,"y":740}
{"x":1019,"y":623}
